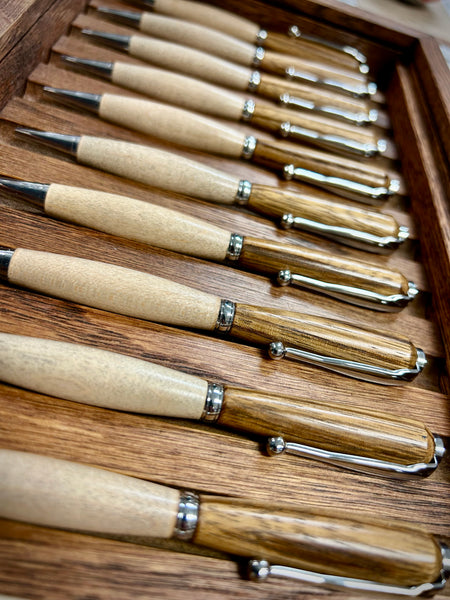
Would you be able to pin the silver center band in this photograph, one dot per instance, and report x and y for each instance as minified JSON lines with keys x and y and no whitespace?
{"x":213,"y":402}
{"x":225,"y":317}
{"x":187,"y":516}
{"x":243,"y":192}
{"x":235,"y":246}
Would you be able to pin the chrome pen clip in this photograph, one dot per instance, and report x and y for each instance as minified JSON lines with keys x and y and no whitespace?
{"x":277,"y":445}
{"x":357,"y":90}
{"x":260,"y":570}
{"x":351,"y":368}
{"x":354,"y":295}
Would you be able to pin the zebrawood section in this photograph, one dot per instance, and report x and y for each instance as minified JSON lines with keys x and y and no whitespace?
{"x":328,"y":426}
{"x":322,"y":336}
{"x":320,"y":541}
{"x":270,"y":257}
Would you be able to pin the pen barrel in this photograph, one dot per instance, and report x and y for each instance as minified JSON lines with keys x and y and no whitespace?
{"x":332,"y":427}
{"x":137,"y":220}
{"x":326,"y":337}
{"x":320,"y":541}
{"x":113,"y":288}
{"x":164,"y":170}
{"x":271,"y":257}
{"x":279,"y":155}
{"x":57,"y":493}
{"x":323,"y":208}
{"x":99,"y":378}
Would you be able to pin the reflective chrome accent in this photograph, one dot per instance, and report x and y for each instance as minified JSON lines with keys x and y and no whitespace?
{"x":259,"y":56}
{"x":94,"y":67}
{"x":248,"y":110}
{"x":225,"y":317}
{"x":78,"y":99}
{"x":351,"y":237}
{"x":26,"y":190}
{"x":59,"y":141}
{"x":235,"y":246}
{"x":348,"y":293}
{"x":277,"y":445}
{"x":112,"y":40}
{"x":254,"y":81}
{"x":213,"y":402}
{"x":131,"y":18}
{"x":261,"y":37}
{"x":294,"y":31}
{"x":372,"y":373}
{"x":334,"y":142}
{"x":187,"y":516}
{"x":260,"y":570}
{"x":249,"y":147}
{"x":357,"y":90}
{"x":243,"y":192}
{"x":6,"y":255}
{"x":343,"y":187}
{"x":355,"y":118}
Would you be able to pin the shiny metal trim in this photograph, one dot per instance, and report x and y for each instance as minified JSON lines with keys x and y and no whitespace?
{"x":356,"y":91}
{"x":277,"y":445}
{"x":334,"y":142}
{"x":351,"y":237}
{"x":59,"y":141}
{"x":351,"y":368}
{"x":254,"y":81}
{"x":347,"y":293}
{"x":112,"y":40}
{"x":343,"y":187}
{"x":243,"y":192}
{"x":131,"y":18}
{"x":249,"y":147}
{"x":248,"y":110}
{"x":259,"y":56}
{"x":187,"y":516}
{"x":93,"y":67}
{"x":235,"y":247}
{"x":213,"y":402}
{"x":225,"y":317}
{"x":295,"y":31}
{"x":26,"y":190}
{"x":74,"y":98}
{"x":261,"y":37}
{"x":6,"y":255}
{"x":260,"y":570}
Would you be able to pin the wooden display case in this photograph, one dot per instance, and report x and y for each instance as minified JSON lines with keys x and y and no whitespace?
{"x":48,"y":564}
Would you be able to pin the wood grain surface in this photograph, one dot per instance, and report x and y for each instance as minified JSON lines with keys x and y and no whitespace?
{"x":40,"y":563}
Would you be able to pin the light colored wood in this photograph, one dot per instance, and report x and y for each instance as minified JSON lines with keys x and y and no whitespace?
{"x":179,"y":90}
{"x":172,"y":124}
{"x":58,"y":493}
{"x":100,"y":378}
{"x":137,"y":220}
{"x":113,"y":288}
{"x":328,"y":426}
{"x":189,"y":61}
{"x":158,"y":168}
{"x":210,"y":16}
{"x":322,"y":336}
{"x":199,"y":37}
{"x":320,"y":541}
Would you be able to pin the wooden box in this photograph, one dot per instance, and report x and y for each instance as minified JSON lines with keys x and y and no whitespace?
{"x":49,"y":564}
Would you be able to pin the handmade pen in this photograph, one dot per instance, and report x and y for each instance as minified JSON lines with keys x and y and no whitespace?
{"x":355,"y":439}
{"x":310,"y":544}
{"x":169,"y":171}
{"x":350,"y":280}
{"x":343,"y":176}
{"x":230,"y":48}
{"x":362,"y":353}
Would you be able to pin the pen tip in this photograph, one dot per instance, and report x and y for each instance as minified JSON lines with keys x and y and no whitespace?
{"x":59,"y":141}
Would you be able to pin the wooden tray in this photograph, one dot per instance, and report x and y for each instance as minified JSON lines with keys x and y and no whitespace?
{"x":42,"y":563}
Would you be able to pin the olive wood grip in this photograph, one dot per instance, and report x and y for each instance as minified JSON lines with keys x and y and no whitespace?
{"x":164,"y":170}
{"x":321,"y":208}
{"x":270,"y":257}
{"x":331,"y":427}
{"x":199,"y":37}
{"x":210,"y":16}
{"x":320,"y":541}
{"x":326,"y":337}
{"x":57,"y":493}
{"x":113,"y":288}
{"x":179,"y":90}
{"x":173,"y":124}
{"x":137,"y":220}
{"x":92,"y":376}
{"x":189,"y":61}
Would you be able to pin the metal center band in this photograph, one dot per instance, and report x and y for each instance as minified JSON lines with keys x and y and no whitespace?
{"x":243,"y":192}
{"x":225,"y":317}
{"x":213,"y":402}
{"x":187,"y":516}
{"x":235,"y":247}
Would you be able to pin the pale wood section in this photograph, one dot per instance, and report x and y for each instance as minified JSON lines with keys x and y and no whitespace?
{"x":269,"y":257}
{"x":189,"y":61}
{"x":137,"y":220}
{"x":210,"y":16}
{"x":199,"y":37}
{"x":172,"y":124}
{"x":320,"y":541}
{"x":92,"y":376}
{"x":113,"y":288}
{"x":323,"y":336}
{"x":322,"y":208}
{"x":158,"y":168}
{"x":57,"y":493}
{"x":330,"y":426}
{"x":179,"y":90}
